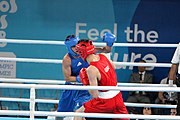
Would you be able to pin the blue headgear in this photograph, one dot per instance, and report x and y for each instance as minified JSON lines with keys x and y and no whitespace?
{"x":71,"y":41}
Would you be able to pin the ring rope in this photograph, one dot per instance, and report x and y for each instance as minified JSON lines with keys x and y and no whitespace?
{"x":97,"y":115}
{"x":56,"y":101}
{"x":61,"y":82}
{"x":5,"y":85}
{"x":60,"y":61}
{"x":31,"y":60}
{"x":72,"y":87}
{"x":33,"y":113}
{"x":95,"y":43}
{"x":32,"y":100}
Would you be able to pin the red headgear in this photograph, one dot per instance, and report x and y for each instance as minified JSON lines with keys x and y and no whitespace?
{"x":85,"y":48}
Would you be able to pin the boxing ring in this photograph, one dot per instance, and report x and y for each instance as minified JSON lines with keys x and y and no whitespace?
{"x":34,"y":84}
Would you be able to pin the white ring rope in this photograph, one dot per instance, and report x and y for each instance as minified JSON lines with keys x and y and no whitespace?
{"x":143,"y":64}
{"x":95,"y":43}
{"x":62,"y":82}
{"x":38,"y":86}
{"x":41,"y":81}
{"x":72,"y":87}
{"x":33,"y":100}
{"x":97,"y":115}
{"x":56,"y":82}
{"x":31,"y":60}
{"x":60,"y":61}
{"x":56,"y":101}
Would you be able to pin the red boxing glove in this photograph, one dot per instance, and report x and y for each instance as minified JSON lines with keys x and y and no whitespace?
{"x":83,"y":77}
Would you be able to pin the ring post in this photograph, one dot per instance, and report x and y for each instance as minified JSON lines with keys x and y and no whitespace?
{"x":32,"y":102}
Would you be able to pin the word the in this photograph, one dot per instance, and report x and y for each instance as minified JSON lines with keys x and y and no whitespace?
{"x":150,"y":36}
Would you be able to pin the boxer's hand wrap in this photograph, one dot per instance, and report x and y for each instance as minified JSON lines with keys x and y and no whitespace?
{"x":83,"y":77}
{"x":78,"y":79}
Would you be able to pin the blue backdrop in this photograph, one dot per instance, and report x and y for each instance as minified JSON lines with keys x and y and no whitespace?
{"x":133,"y":21}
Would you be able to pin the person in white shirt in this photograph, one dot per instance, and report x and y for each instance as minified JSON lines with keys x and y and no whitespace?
{"x":175,"y":68}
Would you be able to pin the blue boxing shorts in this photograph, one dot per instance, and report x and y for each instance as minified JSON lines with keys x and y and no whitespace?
{"x":71,"y":100}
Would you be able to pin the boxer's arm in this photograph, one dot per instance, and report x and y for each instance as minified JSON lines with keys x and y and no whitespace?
{"x":109,"y":39}
{"x":93,"y":75}
{"x":112,"y":64}
{"x":66,"y":68}
{"x":105,"y":49}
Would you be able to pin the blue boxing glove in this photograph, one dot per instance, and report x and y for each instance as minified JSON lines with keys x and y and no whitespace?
{"x":78,"y":79}
{"x":109,"y":38}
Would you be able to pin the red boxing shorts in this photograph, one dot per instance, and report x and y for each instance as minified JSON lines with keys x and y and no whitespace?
{"x":111,"y":105}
